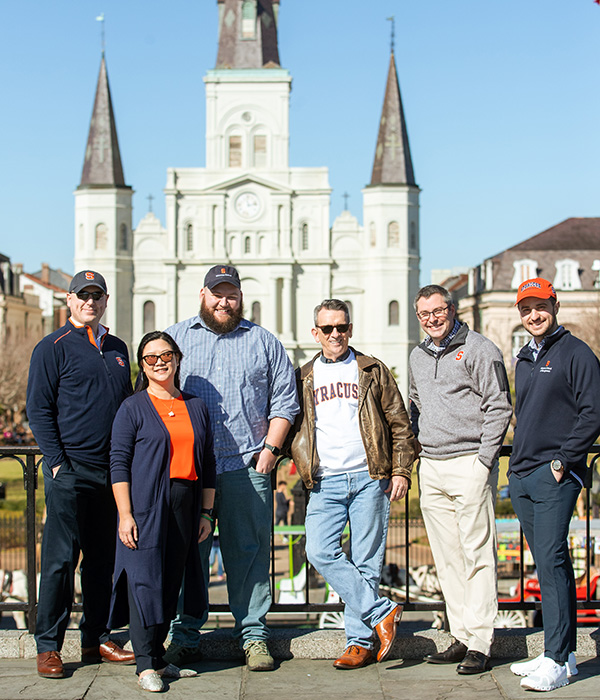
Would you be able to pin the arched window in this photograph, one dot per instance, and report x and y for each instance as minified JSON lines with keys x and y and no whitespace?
{"x":393,"y":313}
{"x":372,"y":234}
{"x":413,"y":235}
{"x":567,"y":275}
{"x":304,"y":232}
{"x":393,"y":235}
{"x":101,"y":242}
{"x":247,"y":245}
{"x":256,"y":312}
{"x":123,"y":242}
{"x":520,"y":337}
{"x":149,"y":316}
{"x":524,"y":270}
{"x":189,"y":237}
{"x":235,"y":151}
{"x":260,"y":151}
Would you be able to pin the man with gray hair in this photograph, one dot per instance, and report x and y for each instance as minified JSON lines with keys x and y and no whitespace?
{"x":354,"y":449}
{"x":460,"y":408}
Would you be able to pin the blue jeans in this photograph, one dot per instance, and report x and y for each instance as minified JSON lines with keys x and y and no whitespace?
{"x":545,"y":508}
{"x":361,"y":501}
{"x":244,"y":512}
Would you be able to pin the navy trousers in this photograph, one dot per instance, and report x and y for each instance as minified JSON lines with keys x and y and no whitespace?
{"x":545,"y":508}
{"x":80,"y":518}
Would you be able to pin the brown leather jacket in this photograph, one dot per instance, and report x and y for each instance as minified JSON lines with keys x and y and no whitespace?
{"x":384,"y":424}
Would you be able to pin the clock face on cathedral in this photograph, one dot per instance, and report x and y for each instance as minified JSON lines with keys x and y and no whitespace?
{"x":247,"y":205}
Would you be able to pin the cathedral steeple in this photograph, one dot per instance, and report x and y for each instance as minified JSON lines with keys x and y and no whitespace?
{"x":393,"y":164}
{"x":102,"y":164}
{"x":248,"y":34}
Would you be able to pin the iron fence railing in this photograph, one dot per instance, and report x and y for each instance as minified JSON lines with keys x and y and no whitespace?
{"x":30,"y":457}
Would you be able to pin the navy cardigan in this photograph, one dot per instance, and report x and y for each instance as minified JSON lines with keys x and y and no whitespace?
{"x":140,"y":455}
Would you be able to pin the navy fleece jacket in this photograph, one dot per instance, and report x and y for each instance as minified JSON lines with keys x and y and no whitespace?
{"x":74,"y":392}
{"x":557,"y":405}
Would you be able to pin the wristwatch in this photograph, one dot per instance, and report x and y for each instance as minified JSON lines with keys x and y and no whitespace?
{"x":207,"y":511}
{"x":557,"y":465}
{"x":275,"y":450}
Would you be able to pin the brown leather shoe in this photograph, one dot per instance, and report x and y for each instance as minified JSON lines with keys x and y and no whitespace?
{"x":50,"y":665}
{"x":354,"y":657}
{"x":109,"y":651}
{"x":386,"y":631}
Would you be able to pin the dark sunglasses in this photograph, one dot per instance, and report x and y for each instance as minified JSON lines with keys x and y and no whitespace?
{"x":84,"y":296}
{"x":153,"y":359}
{"x":341,"y":327}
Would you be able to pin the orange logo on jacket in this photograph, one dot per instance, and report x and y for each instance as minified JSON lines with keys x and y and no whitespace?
{"x":120,"y":361}
{"x":459,"y":355}
{"x":223,"y":270}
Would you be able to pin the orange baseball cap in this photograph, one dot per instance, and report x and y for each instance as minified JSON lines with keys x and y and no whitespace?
{"x":536,"y":287}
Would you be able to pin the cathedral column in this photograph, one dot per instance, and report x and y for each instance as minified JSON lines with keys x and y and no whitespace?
{"x":287,"y":301}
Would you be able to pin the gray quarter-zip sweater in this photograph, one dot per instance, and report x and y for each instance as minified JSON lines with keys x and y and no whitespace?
{"x":460,"y":398}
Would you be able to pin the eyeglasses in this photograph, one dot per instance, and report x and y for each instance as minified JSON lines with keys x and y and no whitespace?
{"x":341,"y":328}
{"x":437,"y":313}
{"x":153,"y":359}
{"x":84,"y":296}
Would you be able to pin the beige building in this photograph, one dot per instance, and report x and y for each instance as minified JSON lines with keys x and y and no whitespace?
{"x":20,"y":313}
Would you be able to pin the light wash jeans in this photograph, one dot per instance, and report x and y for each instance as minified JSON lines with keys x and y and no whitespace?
{"x":361,"y":501}
{"x":244,"y":512}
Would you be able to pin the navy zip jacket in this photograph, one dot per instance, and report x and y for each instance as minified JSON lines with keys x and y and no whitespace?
{"x":74,"y":392}
{"x":557,"y":405}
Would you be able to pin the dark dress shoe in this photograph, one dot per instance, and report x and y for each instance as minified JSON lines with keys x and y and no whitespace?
{"x":386,"y":631}
{"x":354,"y":657}
{"x":109,"y":651}
{"x":455,"y":652}
{"x":50,"y":665}
{"x":474,"y":662}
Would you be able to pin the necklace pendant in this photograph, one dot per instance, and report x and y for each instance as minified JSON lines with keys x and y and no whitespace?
{"x":171,"y":414}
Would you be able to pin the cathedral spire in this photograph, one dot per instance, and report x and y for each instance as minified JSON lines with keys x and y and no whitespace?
{"x":102,"y":163}
{"x":393,"y":164}
{"x":248,"y":34}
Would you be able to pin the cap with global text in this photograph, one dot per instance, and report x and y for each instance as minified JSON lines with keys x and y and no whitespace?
{"x":87,"y":278}
{"x":222,"y":273}
{"x":536,"y":287}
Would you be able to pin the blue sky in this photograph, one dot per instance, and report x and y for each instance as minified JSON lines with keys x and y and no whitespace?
{"x":501,"y":100}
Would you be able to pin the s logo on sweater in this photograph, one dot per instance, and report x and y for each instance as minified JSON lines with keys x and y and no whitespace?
{"x":459,"y":355}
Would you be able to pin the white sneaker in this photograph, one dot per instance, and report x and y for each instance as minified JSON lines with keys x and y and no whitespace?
{"x":548,"y":676}
{"x":525,"y":668}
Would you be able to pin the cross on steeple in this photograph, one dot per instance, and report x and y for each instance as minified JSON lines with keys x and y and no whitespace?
{"x":392,"y":19}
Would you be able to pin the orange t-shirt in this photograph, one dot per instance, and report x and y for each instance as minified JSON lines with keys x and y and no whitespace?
{"x":180,"y":429}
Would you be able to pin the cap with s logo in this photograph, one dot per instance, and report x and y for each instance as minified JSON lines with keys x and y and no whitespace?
{"x":87,"y":278}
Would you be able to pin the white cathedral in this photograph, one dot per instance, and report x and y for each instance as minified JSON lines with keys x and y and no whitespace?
{"x":248,"y":207}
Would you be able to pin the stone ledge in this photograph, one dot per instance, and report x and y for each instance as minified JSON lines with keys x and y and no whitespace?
{"x":288,"y":643}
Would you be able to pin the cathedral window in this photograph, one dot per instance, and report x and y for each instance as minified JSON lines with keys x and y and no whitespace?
{"x":393,"y":313}
{"x":149,"y":316}
{"x":256,"y":312}
{"x":101,"y":242}
{"x":260,"y":151}
{"x":235,"y":151}
{"x":372,"y":234}
{"x":189,"y":237}
{"x":247,"y":245}
{"x":249,"y":19}
{"x":304,"y":241}
{"x":567,"y":275}
{"x":523,"y":270}
{"x":123,"y":242}
{"x":393,"y":235}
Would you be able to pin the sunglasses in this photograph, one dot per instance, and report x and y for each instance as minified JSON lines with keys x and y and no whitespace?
{"x":84,"y":296}
{"x":341,"y":328}
{"x":153,"y":359}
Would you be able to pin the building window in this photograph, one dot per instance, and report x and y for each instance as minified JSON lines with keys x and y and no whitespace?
{"x":123,"y":242}
{"x":567,"y":275}
{"x":101,"y":242}
{"x":393,"y":235}
{"x":372,"y":234}
{"x":249,"y":19}
{"x":520,"y":337}
{"x":189,"y":237}
{"x":149,"y":316}
{"x":247,"y":245}
{"x":235,"y":151}
{"x":260,"y":151}
{"x":413,"y":235}
{"x":256,"y":312}
{"x":524,"y":270}
{"x":393,"y":313}
{"x":304,"y":242}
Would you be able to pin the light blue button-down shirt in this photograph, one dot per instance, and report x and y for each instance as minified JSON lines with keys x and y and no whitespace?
{"x":245,"y":378}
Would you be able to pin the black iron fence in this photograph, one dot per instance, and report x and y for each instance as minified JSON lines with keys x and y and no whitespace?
{"x":407,"y":550}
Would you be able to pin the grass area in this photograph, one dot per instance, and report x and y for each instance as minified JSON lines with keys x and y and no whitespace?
{"x":11,"y":475}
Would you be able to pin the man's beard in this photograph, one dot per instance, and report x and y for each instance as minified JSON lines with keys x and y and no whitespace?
{"x":230,"y":324}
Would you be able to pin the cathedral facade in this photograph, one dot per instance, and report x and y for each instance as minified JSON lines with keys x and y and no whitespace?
{"x":250,"y":208}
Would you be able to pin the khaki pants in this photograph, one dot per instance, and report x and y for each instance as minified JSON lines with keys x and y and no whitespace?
{"x":458,"y":496}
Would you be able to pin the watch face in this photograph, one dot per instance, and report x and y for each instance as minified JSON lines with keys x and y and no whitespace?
{"x":247,"y":205}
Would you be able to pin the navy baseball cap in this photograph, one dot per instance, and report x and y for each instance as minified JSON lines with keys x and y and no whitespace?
{"x":222,"y":273}
{"x":87,"y":278}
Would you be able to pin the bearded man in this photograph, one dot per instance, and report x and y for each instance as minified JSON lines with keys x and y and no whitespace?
{"x":247,"y":381}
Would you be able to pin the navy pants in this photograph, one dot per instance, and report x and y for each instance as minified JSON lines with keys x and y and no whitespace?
{"x":545,"y":508}
{"x":80,"y":518}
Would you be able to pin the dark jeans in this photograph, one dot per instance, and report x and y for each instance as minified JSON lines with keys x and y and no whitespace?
{"x":80,"y":517}
{"x":147,"y":642}
{"x":545,"y":508}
